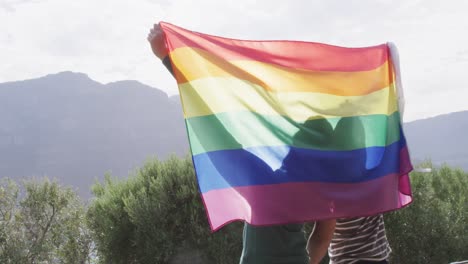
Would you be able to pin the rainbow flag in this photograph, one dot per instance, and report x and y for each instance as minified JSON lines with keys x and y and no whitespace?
{"x":289,"y":131}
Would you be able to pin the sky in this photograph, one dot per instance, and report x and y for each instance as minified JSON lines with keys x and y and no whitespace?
{"x":106,"y":39}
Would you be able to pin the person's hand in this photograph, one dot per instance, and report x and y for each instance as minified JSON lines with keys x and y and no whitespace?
{"x":156,"y":39}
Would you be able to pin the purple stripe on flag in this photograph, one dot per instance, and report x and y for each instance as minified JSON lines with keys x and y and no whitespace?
{"x":286,"y":202}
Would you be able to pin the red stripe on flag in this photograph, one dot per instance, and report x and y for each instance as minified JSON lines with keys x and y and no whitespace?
{"x":294,"y":54}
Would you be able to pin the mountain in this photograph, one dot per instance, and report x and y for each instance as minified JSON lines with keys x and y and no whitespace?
{"x":69,"y":127}
{"x":441,"y":139}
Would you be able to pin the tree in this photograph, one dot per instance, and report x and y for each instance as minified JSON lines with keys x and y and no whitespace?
{"x":47,"y":225}
{"x":12,"y":247}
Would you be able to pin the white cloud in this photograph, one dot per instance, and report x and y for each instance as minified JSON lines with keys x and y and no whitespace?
{"x":10,"y":5}
{"x":106,"y":39}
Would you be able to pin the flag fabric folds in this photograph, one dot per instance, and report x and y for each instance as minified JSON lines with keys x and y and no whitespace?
{"x":289,"y":131}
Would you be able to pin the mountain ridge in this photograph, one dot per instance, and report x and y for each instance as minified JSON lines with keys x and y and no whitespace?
{"x":70,"y":127}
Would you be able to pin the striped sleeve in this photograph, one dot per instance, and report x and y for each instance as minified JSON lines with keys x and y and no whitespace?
{"x":361,"y":238}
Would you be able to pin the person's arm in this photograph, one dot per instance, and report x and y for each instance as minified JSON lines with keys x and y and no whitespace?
{"x":158,"y":46}
{"x":319,"y":239}
{"x":399,"y":86}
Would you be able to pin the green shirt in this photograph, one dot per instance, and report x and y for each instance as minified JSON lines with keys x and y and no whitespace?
{"x":280,"y":244}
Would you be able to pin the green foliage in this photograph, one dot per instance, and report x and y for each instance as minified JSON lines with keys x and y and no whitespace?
{"x":156,"y":215}
{"x":45,"y":225}
{"x":434,"y":228}
{"x":11,"y":246}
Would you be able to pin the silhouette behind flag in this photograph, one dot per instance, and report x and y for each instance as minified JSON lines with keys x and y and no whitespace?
{"x":286,"y":131}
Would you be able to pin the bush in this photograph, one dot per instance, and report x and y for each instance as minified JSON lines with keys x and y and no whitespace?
{"x":434,"y":228}
{"x":156,"y":215}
